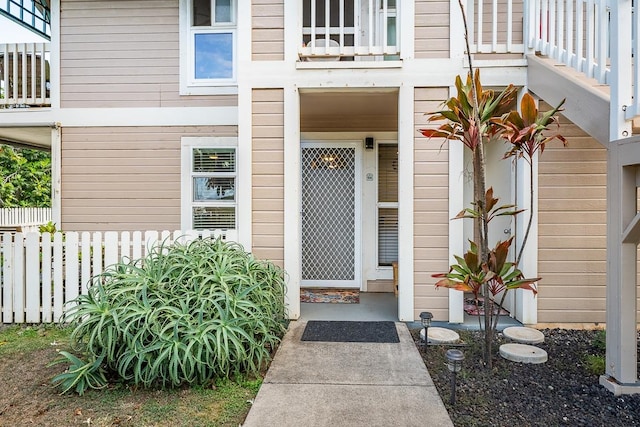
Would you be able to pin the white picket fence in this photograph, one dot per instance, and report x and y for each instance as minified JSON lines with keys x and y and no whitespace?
{"x":40,"y":272}
{"x":24,"y":219}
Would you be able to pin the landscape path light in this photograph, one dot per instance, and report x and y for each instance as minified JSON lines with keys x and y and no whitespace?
{"x":425,"y":319}
{"x":454,"y":363}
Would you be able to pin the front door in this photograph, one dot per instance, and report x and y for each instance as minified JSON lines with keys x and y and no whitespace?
{"x":330,"y":214}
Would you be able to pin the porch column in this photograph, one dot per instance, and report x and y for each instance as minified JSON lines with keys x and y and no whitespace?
{"x":292,"y":201}
{"x":623,"y":235}
{"x":405,"y":204}
{"x":526,"y":301}
{"x":621,"y":74}
{"x":456,"y":228}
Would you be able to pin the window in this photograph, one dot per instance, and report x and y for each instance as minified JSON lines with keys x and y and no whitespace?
{"x":209,"y":178}
{"x":392,"y":26}
{"x":387,"y":204}
{"x":208,"y":36}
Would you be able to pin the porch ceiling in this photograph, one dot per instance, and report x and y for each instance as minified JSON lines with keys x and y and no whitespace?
{"x":348,"y":111}
{"x":30,"y":137}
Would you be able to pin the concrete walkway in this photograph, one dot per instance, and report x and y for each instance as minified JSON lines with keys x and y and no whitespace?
{"x":313,"y":384}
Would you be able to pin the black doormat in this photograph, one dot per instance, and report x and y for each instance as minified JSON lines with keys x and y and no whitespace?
{"x":343,"y":331}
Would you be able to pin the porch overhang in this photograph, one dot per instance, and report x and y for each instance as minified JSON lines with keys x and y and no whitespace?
{"x":587,"y":103}
{"x":37,"y":137}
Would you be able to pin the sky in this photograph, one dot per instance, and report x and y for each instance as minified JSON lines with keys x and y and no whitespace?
{"x":11,"y":32}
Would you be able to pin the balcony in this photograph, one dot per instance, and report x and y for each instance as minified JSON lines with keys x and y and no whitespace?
{"x":350,"y":30}
{"x":597,"y":38}
{"x":24,"y":75}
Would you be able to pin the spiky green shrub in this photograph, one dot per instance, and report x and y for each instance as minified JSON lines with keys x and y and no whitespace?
{"x":186,"y":313}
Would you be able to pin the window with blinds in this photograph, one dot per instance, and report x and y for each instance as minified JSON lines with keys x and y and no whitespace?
{"x":213,"y":188}
{"x":387,"y":204}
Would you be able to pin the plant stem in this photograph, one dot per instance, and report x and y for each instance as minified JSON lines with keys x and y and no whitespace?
{"x":479,"y":184}
{"x":479,"y":188}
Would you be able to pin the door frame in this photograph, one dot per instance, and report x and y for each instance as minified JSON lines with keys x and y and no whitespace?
{"x":342,"y":143}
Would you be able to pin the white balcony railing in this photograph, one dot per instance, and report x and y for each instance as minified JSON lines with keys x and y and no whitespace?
{"x":495,"y":26}
{"x":24,"y":75}
{"x":335,"y":29}
{"x":580,"y":34}
{"x":573,"y":32}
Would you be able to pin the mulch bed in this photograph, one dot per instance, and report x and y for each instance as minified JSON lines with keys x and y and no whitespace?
{"x":563,"y":391}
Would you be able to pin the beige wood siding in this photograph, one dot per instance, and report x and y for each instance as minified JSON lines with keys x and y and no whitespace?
{"x":432,"y":29}
{"x":123,"y":54}
{"x":267,"y":32}
{"x":572,"y":229}
{"x":501,"y":30}
{"x":431,"y":208}
{"x":267,"y":172}
{"x":124,"y":178}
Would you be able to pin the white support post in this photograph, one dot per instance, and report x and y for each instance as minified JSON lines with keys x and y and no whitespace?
{"x":293,"y":28}
{"x":526,"y":302}
{"x":54,"y":59}
{"x":621,"y":74}
{"x":405,"y":204}
{"x":457,"y":46}
{"x":456,"y":228}
{"x":292,"y":200}
{"x":407,"y":24}
{"x":623,"y":164}
{"x":244,"y":147}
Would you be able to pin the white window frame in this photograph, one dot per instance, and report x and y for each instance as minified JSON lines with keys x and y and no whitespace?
{"x":392,"y":12}
{"x":189,"y":85}
{"x":187,"y":174}
{"x":383,"y":205}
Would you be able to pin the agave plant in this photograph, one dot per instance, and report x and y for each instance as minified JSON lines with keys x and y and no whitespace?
{"x":184,"y":314}
{"x":80,"y":375}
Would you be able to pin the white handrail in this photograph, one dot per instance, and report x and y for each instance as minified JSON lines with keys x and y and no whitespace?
{"x":573,"y":32}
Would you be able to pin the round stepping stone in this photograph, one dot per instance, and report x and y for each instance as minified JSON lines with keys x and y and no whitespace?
{"x":523,"y":353}
{"x":441,"y":335}
{"x":523,"y":335}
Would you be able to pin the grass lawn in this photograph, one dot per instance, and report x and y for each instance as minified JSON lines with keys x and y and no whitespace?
{"x":28,"y":398}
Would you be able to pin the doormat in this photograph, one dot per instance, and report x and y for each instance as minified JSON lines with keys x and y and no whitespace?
{"x":343,"y":331}
{"x":471,"y":309}
{"x":330,"y":295}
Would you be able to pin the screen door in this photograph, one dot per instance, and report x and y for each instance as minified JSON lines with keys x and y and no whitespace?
{"x":330,"y":227}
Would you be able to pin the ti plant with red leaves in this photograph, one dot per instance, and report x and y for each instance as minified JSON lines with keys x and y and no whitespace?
{"x":526,"y":132}
{"x":476,"y":116}
{"x":492,"y":277}
{"x":497,"y":275}
{"x":472,"y":117}
{"x":483,"y":271}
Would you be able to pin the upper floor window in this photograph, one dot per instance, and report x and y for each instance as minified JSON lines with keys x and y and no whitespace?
{"x":208,"y":40}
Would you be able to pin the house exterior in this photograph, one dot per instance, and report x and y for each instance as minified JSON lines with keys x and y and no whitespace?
{"x":238,"y":114}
